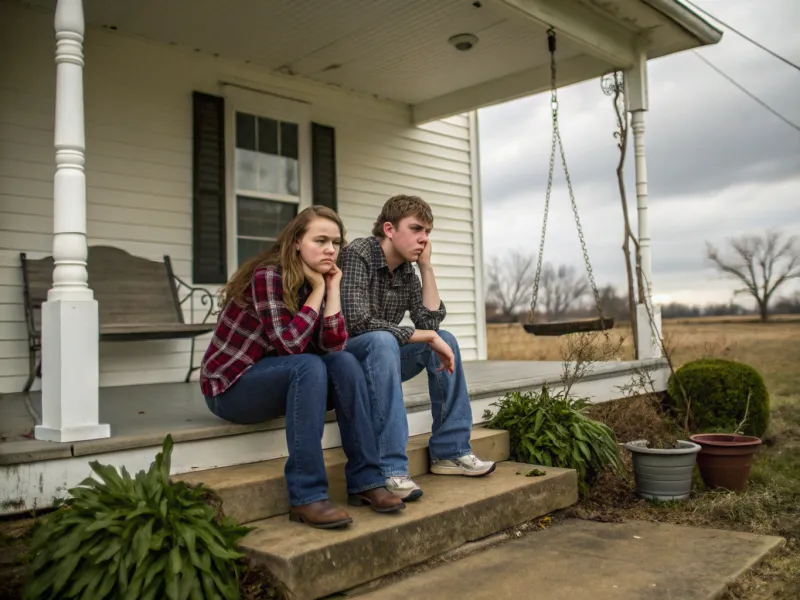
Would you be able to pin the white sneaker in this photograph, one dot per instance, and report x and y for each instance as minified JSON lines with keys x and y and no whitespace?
{"x":469,"y":465}
{"x":404,"y":487}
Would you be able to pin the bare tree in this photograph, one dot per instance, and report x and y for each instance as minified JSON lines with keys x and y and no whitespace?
{"x":613,"y":305}
{"x":560,"y":287}
{"x":761,"y":263}
{"x":510,"y":282}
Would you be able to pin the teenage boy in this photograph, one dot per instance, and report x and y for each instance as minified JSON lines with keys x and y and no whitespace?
{"x":378,"y":286}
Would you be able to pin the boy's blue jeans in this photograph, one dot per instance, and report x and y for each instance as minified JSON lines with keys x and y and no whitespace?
{"x":298,"y":387}
{"x":386,"y":366}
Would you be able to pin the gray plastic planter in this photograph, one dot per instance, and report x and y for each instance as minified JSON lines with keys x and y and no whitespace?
{"x":663,"y":474}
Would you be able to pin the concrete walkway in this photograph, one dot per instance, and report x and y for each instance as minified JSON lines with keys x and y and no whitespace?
{"x":585,"y":560}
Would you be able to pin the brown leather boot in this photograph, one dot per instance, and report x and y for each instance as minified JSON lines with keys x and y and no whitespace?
{"x":379,"y":499}
{"x":322,"y":515}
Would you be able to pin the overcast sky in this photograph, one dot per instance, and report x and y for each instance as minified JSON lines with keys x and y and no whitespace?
{"x":718,"y":163}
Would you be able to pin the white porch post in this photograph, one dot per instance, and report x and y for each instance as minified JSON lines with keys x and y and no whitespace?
{"x":70,"y":330}
{"x":649,"y":327}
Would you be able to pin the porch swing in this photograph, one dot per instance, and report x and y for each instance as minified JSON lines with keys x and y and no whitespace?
{"x":557,"y":328}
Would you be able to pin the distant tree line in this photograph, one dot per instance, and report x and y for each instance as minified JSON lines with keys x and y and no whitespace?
{"x":762,"y":265}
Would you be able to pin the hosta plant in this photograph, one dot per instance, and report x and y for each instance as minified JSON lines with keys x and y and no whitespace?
{"x":550,"y":429}
{"x":142,"y":537}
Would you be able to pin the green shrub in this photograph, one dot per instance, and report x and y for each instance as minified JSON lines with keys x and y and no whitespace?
{"x":138,"y":538}
{"x":550,"y":429}
{"x":718,"y":392}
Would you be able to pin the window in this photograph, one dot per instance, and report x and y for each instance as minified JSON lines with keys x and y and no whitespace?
{"x":267,"y":181}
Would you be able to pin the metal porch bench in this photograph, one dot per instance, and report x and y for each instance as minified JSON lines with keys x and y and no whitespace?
{"x":138,"y":299}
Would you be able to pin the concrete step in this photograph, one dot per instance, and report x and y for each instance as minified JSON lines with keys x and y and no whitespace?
{"x":257,"y":491}
{"x":312,"y":563}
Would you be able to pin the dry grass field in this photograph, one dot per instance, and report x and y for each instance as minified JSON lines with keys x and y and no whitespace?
{"x":773,"y":348}
{"x":732,"y":337}
{"x":771,"y":505}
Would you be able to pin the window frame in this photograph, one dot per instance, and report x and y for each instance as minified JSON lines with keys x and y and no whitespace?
{"x":263,"y":104}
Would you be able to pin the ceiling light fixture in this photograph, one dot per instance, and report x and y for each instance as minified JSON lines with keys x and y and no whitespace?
{"x":463,"y":41}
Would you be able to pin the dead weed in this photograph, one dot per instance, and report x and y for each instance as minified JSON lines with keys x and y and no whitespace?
{"x":636,"y":418}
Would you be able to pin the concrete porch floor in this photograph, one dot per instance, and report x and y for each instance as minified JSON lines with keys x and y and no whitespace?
{"x":584,"y":560}
{"x":140,"y":416}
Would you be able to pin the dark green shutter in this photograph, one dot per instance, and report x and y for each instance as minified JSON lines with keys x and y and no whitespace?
{"x":323,"y":165}
{"x":209,"y":243}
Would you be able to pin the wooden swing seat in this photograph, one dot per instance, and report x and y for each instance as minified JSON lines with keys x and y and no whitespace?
{"x":556,"y":328}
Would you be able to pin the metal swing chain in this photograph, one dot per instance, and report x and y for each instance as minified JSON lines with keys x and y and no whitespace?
{"x":551,"y":43}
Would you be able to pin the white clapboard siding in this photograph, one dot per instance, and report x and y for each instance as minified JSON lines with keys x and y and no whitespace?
{"x":139,"y":175}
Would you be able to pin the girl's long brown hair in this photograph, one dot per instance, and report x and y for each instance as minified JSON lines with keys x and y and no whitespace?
{"x":282,"y":253}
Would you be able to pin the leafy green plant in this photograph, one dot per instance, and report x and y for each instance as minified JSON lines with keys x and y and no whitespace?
{"x":139,"y":537}
{"x":723,"y":396}
{"x":551,"y":429}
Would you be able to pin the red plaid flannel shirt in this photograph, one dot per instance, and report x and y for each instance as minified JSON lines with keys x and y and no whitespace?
{"x":265,"y":327}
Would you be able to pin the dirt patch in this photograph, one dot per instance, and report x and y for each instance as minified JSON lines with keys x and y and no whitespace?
{"x":14,"y":539}
{"x":257,"y":583}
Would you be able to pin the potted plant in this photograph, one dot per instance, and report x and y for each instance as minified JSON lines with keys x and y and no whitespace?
{"x":725,"y":458}
{"x":663,"y":471}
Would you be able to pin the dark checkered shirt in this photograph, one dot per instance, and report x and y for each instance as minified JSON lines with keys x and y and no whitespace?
{"x":265,"y":327}
{"x":374,"y":299}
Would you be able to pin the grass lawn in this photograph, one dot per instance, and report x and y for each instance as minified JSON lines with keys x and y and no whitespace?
{"x":771,"y":505}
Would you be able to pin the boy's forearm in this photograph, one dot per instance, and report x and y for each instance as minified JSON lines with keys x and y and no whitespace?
{"x":430,"y":291}
{"x":422,"y":336}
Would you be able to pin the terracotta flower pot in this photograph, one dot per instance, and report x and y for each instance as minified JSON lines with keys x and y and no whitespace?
{"x":724,"y":459}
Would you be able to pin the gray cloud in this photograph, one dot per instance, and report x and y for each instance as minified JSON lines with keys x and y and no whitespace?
{"x":718,"y":164}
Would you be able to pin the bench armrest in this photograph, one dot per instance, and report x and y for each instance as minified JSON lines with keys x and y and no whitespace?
{"x":188,"y":293}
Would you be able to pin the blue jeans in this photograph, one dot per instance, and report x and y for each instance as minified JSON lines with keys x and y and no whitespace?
{"x":298,"y":387}
{"x":386,"y":366}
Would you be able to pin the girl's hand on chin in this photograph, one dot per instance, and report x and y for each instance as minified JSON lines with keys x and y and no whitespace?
{"x":315,"y":278}
{"x":333,"y":277}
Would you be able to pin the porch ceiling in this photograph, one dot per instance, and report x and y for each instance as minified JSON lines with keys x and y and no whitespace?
{"x":399,"y":50}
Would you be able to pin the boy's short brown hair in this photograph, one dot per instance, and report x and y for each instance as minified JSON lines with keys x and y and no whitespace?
{"x":398,"y":208}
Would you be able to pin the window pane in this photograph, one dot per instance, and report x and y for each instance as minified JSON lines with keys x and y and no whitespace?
{"x":267,"y":153}
{"x":245,"y":131}
{"x":269,"y":174}
{"x":289,"y":140}
{"x":246,"y":169}
{"x":267,"y":136}
{"x":262,"y":218}
{"x":291,"y":177}
{"x":249,"y":248}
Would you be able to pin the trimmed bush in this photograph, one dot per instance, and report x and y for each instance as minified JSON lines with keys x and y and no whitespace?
{"x":718,"y":391}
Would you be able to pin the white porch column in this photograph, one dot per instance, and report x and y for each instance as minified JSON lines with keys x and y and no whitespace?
{"x":648,"y":317}
{"x":70,"y":330}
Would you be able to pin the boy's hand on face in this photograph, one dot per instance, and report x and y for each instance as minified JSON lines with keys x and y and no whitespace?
{"x":424,"y":259}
